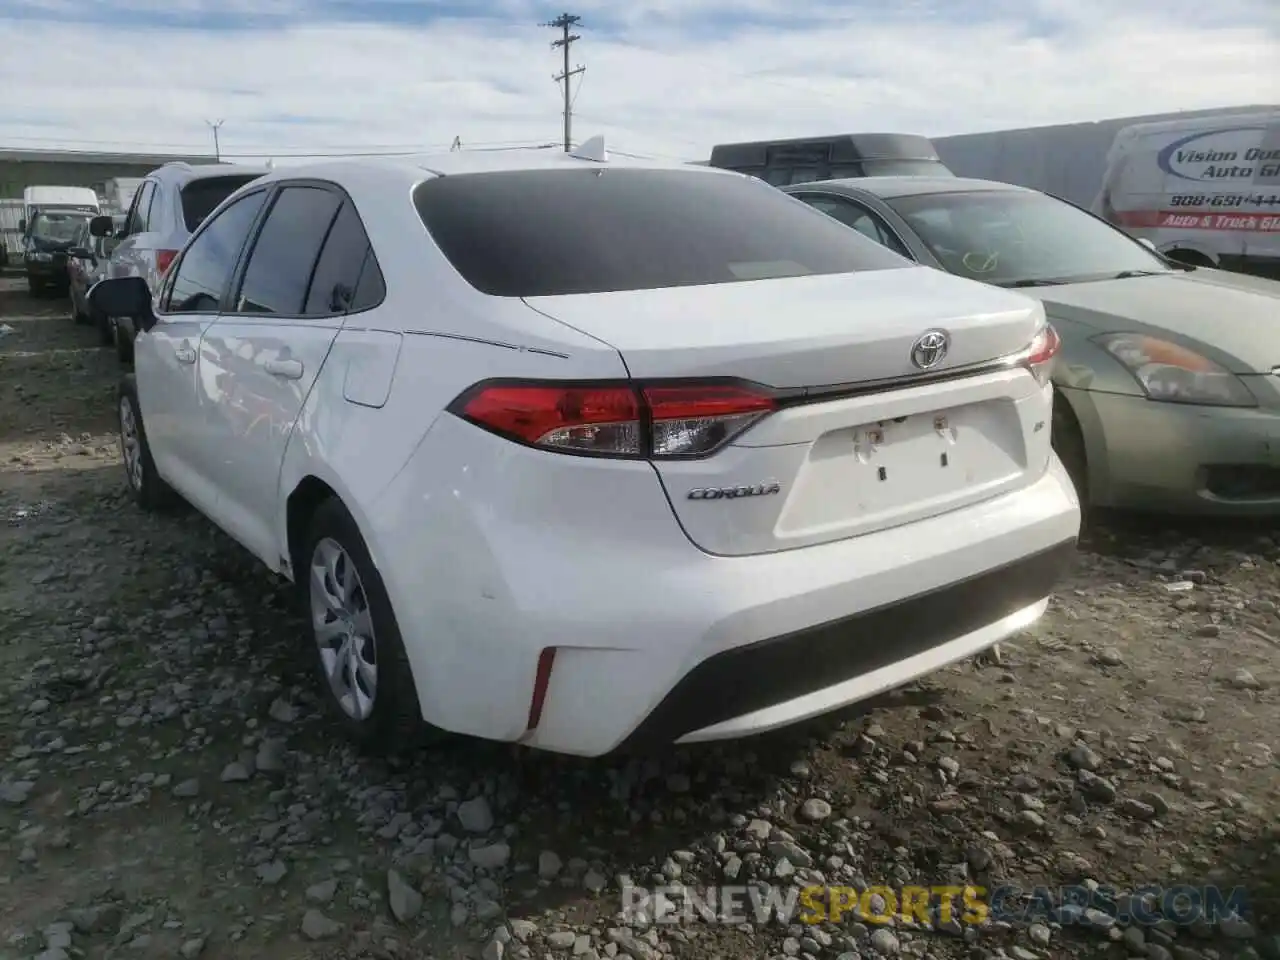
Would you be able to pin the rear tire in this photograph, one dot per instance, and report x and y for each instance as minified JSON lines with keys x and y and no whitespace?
{"x":361,"y":665}
{"x":149,"y":491}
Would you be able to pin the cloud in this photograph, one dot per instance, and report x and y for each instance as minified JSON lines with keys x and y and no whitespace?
{"x":664,"y":77}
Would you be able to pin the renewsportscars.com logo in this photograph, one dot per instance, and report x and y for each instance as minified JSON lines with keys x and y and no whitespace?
{"x":944,"y":905}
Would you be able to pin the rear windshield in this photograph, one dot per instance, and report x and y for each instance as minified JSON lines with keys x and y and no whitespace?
{"x":533,"y":233}
{"x":200,"y":197}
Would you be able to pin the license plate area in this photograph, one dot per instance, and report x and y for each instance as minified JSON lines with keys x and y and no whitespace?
{"x":904,"y":468}
{"x":908,"y":459}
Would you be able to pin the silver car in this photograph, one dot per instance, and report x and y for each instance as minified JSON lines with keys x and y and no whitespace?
{"x":87,"y":264}
{"x":1168,"y":384}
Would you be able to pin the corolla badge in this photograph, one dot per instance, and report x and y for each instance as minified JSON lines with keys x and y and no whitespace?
{"x":768,"y":488}
{"x":930,"y":349}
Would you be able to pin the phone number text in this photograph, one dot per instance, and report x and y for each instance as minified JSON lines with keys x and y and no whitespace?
{"x":1226,"y":200}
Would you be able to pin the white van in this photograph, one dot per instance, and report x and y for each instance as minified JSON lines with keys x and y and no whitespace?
{"x":57,"y":198}
{"x":1203,"y":191}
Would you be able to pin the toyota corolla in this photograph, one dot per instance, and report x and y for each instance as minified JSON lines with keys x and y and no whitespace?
{"x":582,"y":453}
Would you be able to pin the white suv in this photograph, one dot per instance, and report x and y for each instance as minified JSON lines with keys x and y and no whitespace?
{"x":170,"y":203}
{"x":581,"y":453}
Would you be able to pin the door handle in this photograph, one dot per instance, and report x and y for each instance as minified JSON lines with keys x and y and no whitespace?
{"x":185,"y":354}
{"x":289,"y":369}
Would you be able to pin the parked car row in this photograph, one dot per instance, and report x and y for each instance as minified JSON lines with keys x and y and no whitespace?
{"x":466,"y":404}
{"x":70,"y":248}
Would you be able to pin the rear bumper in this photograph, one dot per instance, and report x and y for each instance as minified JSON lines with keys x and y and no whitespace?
{"x":1180,"y":458}
{"x":492,"y":553}
{"x":773,"y":682}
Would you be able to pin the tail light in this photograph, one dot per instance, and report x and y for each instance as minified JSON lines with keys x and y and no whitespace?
{"x":616,"y":419}
{"x":1041,"y":352}
{"x":163,"y":259}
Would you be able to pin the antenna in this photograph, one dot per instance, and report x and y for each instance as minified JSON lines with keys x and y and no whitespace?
{"x":593,"y":149}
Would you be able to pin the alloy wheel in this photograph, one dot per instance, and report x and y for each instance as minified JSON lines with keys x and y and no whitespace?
{"x":130,"y":443}
{"x":343,"y":628}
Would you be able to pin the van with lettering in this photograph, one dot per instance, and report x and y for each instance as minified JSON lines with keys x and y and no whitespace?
{"x":1203,"y":191}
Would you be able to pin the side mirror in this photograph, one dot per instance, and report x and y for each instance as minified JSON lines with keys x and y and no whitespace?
{"x":123,"y":297}
{"x":22,"y":225}
{"x":101,"y":226}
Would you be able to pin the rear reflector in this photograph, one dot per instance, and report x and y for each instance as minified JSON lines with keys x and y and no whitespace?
{"x":1041,"y":352}
{"x":541,"y":680}
{"x":617,"y":419}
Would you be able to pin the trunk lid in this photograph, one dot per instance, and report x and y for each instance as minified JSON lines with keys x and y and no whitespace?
{"x":827,"y":469}
{"x":801,"y":331}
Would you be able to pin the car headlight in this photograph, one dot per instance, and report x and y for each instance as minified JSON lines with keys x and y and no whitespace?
{"x":1173,"y":374}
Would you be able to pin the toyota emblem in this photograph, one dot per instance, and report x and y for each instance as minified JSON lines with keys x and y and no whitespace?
{"x":930,"y":349}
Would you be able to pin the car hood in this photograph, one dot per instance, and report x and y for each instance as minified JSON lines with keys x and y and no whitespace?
{"x":1240,"y":322}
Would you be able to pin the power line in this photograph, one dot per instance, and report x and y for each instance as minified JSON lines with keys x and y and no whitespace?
{"x":563,"y":23}
{"x":128,"y":145}
{"x":384,"y":153}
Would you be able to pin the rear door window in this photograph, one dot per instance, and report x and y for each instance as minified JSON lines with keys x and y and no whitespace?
{"x":547,"y":232}
{"x":284,"y":255}
{"x":138,"y":212}
{"x":345,"y":257}
{"x":201,"y":197}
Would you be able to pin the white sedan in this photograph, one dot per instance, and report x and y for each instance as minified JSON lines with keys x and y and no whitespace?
{"x":586,"y":453}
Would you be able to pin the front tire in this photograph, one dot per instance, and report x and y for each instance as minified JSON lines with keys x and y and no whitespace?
{"x":124,"y":345}
{"x":149,"y":491}
{"x":1068,"y":443}
{"x":361,"y":664}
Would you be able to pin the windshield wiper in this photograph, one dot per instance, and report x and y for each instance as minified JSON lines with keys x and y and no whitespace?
{"x":1130,"y":274}
{"x":1035,"y":282}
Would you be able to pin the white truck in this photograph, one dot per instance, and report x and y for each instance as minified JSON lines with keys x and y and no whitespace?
{"x":118,"y":193}
{"x":50,"y":217}
{"x":57,"y":198}
{"x":1205,"y":191}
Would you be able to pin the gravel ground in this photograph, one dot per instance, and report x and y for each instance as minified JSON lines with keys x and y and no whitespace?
{"x":169,"y":787}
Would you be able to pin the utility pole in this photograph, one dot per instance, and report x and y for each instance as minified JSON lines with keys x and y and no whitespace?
{"x":214,"y":125}
{"x":564,"y":23}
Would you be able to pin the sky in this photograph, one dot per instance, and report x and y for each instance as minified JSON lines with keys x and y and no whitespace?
{"x":663,"y":78}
